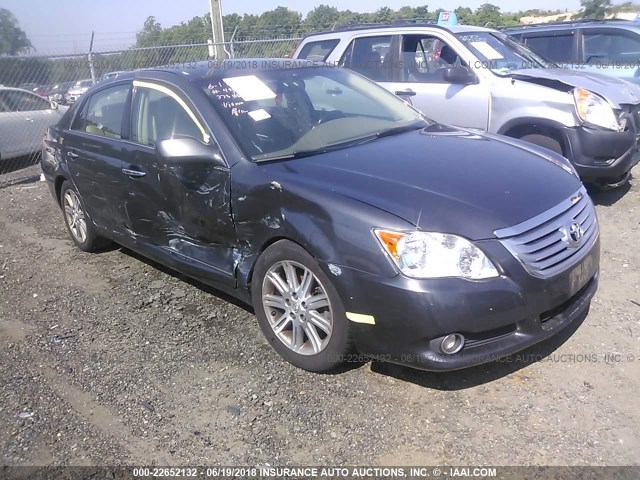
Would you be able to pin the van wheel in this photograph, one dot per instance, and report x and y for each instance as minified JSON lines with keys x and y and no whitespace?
{"x":543,"y":141}
{"x":298,"y":309}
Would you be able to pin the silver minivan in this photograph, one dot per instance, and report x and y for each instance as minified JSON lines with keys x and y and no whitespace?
{"x":481,"y":78}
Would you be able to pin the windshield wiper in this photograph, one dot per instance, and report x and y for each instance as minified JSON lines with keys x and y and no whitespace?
{"x":396,"y":130}
{"x":351,"y":143}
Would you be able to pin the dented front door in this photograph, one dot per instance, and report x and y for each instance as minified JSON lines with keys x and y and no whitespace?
{"x":180,"y":208}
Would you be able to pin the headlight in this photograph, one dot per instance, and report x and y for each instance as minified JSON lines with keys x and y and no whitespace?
{"x":594,"y":109}
{"x":435,"y":255}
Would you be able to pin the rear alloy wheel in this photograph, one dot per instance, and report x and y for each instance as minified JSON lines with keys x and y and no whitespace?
{"x":80,"y":228}
{"x":298,"y":309}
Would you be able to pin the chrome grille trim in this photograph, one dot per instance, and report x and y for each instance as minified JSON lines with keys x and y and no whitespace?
{"x":540,"y":243}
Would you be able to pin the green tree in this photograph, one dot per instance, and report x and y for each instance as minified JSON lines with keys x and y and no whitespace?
{"x":13,"y":40}
{"x":150,"y":33}
{"x":280,"y":22}
{"x":489,"y":15}
{"x":406,"y":12}
{"x":383,"y":15}
{"x":594,"y":9}
{"x":422,"y":12}
{"x":465,"y":16}
{"x":322,"y":17}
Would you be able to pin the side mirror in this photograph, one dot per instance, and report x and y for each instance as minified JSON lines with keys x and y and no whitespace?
{"x":189,"y":150}
{"x":54,"y":105}
{"x":460,"y":76}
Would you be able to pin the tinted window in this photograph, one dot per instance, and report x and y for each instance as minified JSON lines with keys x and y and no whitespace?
{"x":17,"y":101}
{"x":318,"y":51}
{"x":102,"y":113}
{"x":369,"y":56}
{"x":425,"y":59}
{"x":611,"y":46}
{"x":157,"y":116}
{"x":556,"y":48}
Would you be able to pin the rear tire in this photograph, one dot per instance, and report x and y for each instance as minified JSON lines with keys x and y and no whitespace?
{"x":299,"y":310}
{"x":79,"y":225}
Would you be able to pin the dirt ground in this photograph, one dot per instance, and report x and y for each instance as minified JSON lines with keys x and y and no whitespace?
{"x":108,"y":359}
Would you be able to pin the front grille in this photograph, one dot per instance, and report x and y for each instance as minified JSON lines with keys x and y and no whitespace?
{"x":544,"y":244}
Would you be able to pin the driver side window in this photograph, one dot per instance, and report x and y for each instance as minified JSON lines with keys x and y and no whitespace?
{"x":158,"y":115}
{"x":425,"y":59}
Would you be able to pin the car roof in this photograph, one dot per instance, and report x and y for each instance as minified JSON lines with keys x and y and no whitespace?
{"x":230,"y":67}
{"x":553,"y":26}
{"x":400,"y":28}
{"x":16,"y":89}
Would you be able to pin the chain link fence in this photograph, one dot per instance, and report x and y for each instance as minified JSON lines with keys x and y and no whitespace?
{"x":35,"y":91}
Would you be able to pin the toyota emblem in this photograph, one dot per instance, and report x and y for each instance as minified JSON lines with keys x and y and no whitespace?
{"x":574,"y":234}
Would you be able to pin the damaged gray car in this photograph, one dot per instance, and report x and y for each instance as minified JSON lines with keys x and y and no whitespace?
{"x":348,"y":220}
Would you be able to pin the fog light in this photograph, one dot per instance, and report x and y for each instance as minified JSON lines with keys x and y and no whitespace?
{"x":452,"y":343}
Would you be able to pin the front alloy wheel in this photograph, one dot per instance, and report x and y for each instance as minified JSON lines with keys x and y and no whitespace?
{"x":299,"y":309}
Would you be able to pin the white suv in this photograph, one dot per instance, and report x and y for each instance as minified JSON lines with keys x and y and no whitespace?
{"x":481,"y":78}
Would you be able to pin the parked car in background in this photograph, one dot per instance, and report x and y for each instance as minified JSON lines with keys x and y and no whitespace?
{"x":24,"y":119}
{"x":77,"y":90}
{"x":111,"y":75}
{"x":342,"y":214}
{"x":58,"y":92}
{"x":42,"y":90}
{"x":611,"y":47}
{"x":28,"y":86}
{"x":481,"y":78}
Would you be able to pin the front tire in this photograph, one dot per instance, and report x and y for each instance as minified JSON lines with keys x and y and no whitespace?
{"x":543,"y":141}
{"x":298,"y":309}
{"x":79,"y":226}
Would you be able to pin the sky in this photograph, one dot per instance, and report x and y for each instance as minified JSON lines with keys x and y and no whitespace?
{"x":65,"y":26}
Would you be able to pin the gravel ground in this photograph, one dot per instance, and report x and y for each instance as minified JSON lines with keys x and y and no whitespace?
{"x":109,"y":359}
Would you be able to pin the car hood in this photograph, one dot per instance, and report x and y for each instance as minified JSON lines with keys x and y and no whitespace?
{"x":443,"y":179}
{"x":616,"y":90}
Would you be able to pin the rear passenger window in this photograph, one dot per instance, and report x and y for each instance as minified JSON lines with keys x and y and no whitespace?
{"x":555,"y":48}
{"x":318,"y":51}
{"x":103,"y":112}
{"x":370,"y":56}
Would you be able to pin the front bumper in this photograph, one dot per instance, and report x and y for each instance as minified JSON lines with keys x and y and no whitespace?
{"x":602,"y":156}
{"x":498,"y":317}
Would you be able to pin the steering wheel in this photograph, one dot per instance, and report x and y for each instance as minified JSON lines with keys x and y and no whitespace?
{"x":512,"y":66}
{"x":332,"y":115}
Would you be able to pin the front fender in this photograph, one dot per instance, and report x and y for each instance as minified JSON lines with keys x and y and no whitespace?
{"x":268,"y":206}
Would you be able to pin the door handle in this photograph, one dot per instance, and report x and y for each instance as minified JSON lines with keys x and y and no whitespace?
{"x":72,"y":155}
{"x":406,"y":93}
{"x":133,"y":173}
{"x":29,"y":119}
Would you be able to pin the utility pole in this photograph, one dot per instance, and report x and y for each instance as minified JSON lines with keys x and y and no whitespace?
{"x":91,"y":67}
{"x":218,"y":29}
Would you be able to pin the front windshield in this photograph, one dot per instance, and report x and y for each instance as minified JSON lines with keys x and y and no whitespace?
{"x":283,"y":113}
{"x":501,"y":53}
